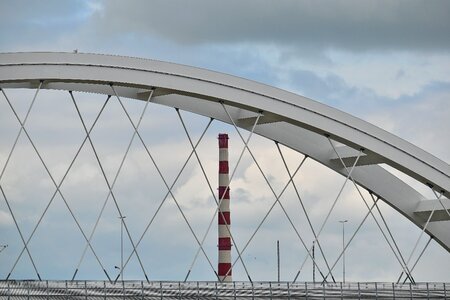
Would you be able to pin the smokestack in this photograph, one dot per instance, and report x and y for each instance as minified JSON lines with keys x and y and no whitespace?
{"x":224,"y":266}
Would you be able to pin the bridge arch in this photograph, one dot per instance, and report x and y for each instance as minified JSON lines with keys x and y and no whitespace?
{"x":292,"y":120}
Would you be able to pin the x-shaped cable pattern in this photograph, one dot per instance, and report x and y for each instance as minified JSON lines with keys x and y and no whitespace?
{"x":3,"y":172}
{"x":200,"y":243}
{"x":304,"y":208}
{"x":329,"y":214}
{"x":167,"y":195}
{"x":167,"y":186}
{"x":352,"y":237}
{"x":109,"y":185}
{"x":277,"y":198}
{"x":420,"y":236}
{"x":57,"y":191}
{"x":218,"y":203}
{"x":400,"y":260}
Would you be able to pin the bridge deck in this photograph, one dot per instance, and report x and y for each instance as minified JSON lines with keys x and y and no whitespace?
{"x":100,"y":290}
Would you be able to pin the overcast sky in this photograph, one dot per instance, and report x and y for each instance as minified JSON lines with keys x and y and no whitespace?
{"x":387,"y":62}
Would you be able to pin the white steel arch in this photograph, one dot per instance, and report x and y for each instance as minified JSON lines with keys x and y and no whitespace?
{"x":295,"y":121}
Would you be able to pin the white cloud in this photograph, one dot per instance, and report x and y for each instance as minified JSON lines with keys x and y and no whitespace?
{"x":5,"y":218}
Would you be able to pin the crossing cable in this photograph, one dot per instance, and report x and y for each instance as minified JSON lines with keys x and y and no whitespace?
{"x":303,"y":208}
{"x":330,"y":211}
{"x":98,"y":219}
{"x":277,"y":199}
{"x":67,"y":171}
{"x":354,"y":234}
{"x":421,"y":233}
{"x":110,"y":186}
{"x":52,"y":179}
{"x":51,"y":200}
{"x":3,"y":171}
{"x":163,"y":178}
{"x":21,"y":236}
{"x":56,"y":191}
{"x":409,"y":275}
{"x":440,"y":202}
{"x":218,"y":203}
{"x":401,"y":261}
{"x":104,"y":204}
{"x":21,"y":127}
{"x":419,"y":257}
{"x":168,"y":193}
{"x":271,"y":208}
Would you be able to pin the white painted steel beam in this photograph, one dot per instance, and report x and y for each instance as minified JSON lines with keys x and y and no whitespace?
{"x":292,"y":120}
{"x":349,"y":155}
{"x":441,"y":208}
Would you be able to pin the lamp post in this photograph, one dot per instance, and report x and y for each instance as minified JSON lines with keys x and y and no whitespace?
{"x":343,"y":249}
{"x":314,"y":265}
{"x":121,"y":244}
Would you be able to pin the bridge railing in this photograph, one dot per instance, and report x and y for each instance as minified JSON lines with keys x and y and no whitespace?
{"x":96,"y":290}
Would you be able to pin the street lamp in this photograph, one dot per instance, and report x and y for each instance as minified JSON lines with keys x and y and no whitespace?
{"x":121,"y":244}
{"x":343,"y":249}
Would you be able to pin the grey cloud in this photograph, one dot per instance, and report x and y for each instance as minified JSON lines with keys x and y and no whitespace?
{"x":26,"y":12}
{"x":32,"y":23}
{"x":348,"y":25}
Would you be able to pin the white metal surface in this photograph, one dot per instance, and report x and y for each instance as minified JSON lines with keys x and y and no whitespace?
{"x":290,"y":119}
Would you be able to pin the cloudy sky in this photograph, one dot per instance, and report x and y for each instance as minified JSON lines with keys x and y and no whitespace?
{"x":387,"y":62}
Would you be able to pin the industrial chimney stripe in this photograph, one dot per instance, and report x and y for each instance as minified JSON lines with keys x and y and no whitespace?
{"x":224,"y":220}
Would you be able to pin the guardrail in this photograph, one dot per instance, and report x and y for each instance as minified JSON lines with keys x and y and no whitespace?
{"x":102,"y":290}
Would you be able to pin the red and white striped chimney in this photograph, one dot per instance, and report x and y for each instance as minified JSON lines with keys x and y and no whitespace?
{"x":224,"y":267}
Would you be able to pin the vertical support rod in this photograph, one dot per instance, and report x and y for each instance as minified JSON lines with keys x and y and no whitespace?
{"x":198,"y":290}
{"x":217,"y":291}
{"x":123,"y":289}
{"x":343,"y":249}
{"x":323,"y":291}
{"x":270,"y":289}
{"x":224,"y":221}
{"x":278,"y":260}
{"x":376,"y":291}
{"x":306,"y":290}
{"x":121,"y":245}
{"x":314,"y":265}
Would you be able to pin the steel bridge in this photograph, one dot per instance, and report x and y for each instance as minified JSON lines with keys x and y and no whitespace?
{"x":349,"y":146}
